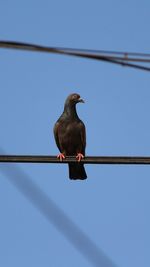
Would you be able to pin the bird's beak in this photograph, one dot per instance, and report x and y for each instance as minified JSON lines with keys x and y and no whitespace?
{"x":81,"y":100}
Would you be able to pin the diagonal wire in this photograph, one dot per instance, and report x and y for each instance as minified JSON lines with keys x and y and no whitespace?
{"x":107,"y":56}
{"x":139,"y":57}
{"x":56,"y":216}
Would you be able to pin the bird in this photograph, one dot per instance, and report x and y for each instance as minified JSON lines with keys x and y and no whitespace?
{"x":70,"y":137}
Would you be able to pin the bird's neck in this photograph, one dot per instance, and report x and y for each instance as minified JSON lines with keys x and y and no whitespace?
{"x":70,"y":111}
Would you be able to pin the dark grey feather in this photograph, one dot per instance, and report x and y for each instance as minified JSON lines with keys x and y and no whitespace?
{"x":70,"y":136}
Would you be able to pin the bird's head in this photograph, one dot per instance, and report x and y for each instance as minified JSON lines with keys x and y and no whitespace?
{"x":74,"y":99}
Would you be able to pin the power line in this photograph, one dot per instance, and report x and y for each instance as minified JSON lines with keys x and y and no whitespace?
{"x":86,"y":160}
{"x":121,"y":58}
{"x":33,"y":47}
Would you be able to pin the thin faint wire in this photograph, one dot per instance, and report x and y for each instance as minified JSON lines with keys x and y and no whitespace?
{"x":115,"y":60}
{"x":55,"y":215}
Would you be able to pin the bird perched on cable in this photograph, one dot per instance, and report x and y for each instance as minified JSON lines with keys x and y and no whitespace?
{"x":70,"y":137}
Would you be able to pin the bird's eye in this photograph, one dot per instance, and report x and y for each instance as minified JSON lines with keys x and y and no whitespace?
{"x":75,"y":97}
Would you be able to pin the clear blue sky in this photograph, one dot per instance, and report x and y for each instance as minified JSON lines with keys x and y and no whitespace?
{"x":112,"y":205}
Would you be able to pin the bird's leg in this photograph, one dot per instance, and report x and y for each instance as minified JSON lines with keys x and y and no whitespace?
{"x":61,"y":156}
{"x":79,"y":157}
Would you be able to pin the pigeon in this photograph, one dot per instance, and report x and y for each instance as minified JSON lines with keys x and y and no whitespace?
{"x":70,"y":137}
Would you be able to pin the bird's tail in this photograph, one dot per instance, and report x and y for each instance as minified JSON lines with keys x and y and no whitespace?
{"x":77,"y":171}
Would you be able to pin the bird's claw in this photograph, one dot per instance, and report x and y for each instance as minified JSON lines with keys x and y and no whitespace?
{"x":79,"y":157}
{"x":61,"y":156}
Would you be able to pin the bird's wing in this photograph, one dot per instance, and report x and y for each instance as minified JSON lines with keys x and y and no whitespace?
{"x":83,"y":136}
{"x":56,"y":127}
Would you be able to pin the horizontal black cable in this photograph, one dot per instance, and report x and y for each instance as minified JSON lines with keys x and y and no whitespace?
{"x":90,"y":54}
{"x":86,"y":160}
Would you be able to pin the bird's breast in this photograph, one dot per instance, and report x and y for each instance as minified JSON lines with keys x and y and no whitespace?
{"x":70,"y":137}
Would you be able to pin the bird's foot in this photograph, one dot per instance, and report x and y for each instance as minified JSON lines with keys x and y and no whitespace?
{"x":79,"y":157}
{"x":61,"y":156}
